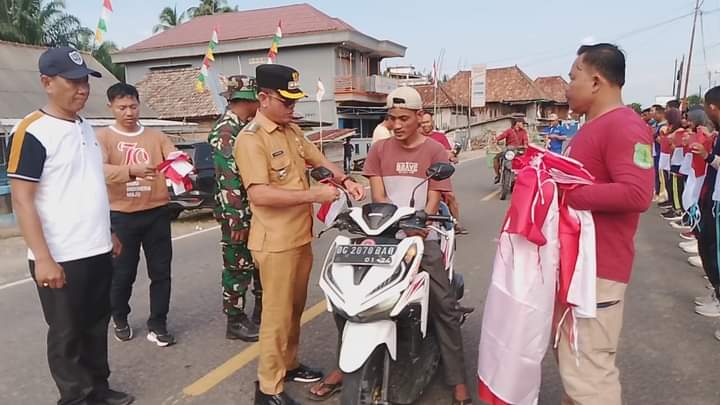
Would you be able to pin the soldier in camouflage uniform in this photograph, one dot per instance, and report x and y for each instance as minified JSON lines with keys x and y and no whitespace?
{"x":232,"y":211}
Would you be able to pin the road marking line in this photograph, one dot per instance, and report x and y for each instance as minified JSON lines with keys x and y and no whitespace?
{"x":240,"y":360}
{"x":490,"y":196}
{"x":187,"y":235}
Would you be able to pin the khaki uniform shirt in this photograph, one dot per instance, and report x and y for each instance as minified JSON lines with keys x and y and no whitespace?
{"x":269,"y":154}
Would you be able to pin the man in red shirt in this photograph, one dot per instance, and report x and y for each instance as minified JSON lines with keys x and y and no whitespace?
{"x":615,"y":146}
{"x":427,"y":126}
{"x":515,"y":136}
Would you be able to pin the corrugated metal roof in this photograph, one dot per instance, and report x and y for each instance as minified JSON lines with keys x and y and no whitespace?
{"x":21,"y":92}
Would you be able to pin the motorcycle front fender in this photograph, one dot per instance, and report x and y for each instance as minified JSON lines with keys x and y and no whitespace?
{"x":360,"y":339}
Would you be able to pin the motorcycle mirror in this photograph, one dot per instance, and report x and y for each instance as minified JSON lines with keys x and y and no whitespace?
{"x":440,"y":171}
{"x":321,"y":173}
{"x":436,"y":171}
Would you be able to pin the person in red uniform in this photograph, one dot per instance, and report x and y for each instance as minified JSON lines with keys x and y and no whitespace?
{"x":427,"y":126}
{"x":515,"y":136}
{"x":615,"y":146}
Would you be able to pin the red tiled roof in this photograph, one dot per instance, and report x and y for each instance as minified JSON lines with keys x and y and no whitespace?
{"x":506,"y":84}
{"x":296,"y":19}
{"x":553,"y":87}
{"x":330,"y":135}
{"x":171,"y":94}
{"x":427,"y":93}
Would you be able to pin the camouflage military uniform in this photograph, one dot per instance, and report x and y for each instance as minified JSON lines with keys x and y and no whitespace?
{"x":232,"y":211}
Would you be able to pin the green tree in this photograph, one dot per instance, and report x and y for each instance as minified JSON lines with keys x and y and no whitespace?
{"x":210,"y":7}
{"x":636,"y":106}
{"x":40,"y":22}
{"x":694,"y":100}
{"x":169,"y":18}
{"x":102,"y":54}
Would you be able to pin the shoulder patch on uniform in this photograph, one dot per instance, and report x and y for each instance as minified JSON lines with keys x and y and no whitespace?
{"x":643,"y":156}
{"x":251,"y":127}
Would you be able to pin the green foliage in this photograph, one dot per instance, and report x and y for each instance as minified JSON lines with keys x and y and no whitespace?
{"x":694,"y":100}
{"x":210,"y":7}
{"x":637,"y":107}
{"x":40,"y":22}
{"x":169,"y":18}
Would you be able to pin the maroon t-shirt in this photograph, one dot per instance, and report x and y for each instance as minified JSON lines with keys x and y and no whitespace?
{"x":616,"y":149}
{"x":404,"y":168}
{"x":441,"y":139}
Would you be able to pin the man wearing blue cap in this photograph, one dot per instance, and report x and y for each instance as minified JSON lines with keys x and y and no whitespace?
{"x":58,"y":189}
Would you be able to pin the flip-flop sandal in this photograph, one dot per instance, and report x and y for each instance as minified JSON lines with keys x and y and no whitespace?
{"x":329,"y":389}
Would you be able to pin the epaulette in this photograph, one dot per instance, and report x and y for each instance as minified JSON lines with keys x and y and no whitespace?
{"x":251,"y":127}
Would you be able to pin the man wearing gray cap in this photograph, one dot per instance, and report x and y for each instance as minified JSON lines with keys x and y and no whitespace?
{"x":55,"y":168}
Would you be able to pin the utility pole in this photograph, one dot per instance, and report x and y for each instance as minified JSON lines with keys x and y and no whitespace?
{"x":674,"y":77}
{"x":679,"y":77}
{"x":692,"y":42}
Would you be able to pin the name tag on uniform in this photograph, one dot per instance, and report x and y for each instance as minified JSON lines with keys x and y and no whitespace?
{"x":278,"y":153}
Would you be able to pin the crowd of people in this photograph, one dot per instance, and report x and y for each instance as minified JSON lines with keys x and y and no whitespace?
{"x":685,"y":154}
{"x":84,"y":252}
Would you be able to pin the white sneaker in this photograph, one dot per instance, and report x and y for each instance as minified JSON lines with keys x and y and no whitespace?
{"x":695,"y":261}
{"x":693,"y":250}
{"x":717,"y":334}
{"x":687,"y":244}
{"x":712,"y":310}
{"x":678,"y":225}
{"x":687,"y":236}
{"x":706,"y":299}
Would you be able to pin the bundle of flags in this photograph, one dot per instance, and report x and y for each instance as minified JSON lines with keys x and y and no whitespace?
{"x":176,"y":169}
{"x":102,"y":26}
{"x":209,"y":58}
{"x":272,"y":53}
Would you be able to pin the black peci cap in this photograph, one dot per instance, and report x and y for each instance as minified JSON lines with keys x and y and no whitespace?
{"x":284,"y":79}
{"x":65,"y":62}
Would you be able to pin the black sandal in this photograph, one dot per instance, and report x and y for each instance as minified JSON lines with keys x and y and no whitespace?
{"x":332,"y":389}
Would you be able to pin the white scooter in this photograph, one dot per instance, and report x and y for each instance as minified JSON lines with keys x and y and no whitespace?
{"x":374,"y":286}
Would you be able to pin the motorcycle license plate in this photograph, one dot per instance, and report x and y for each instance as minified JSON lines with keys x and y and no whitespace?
{"x":366,"y":255}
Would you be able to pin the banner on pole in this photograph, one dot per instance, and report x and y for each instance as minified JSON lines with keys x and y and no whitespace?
{"x":477,"y":77}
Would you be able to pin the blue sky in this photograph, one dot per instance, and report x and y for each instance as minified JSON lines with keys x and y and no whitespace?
{"x":539,"y":36}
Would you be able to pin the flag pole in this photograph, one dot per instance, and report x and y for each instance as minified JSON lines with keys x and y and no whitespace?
{"x":674,"y":77}
{"x":692,"y":41}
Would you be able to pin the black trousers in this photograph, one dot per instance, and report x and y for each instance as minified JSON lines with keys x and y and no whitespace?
{"x":444,"y":314}
{"x":151,"y":230}
{"x":77,"y":316}
{"x":707,"y":241}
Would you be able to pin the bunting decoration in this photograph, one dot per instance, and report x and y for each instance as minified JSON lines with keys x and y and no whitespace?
{"x":272,"y":53}
{"x":102,"y":27}
{"x":201,"y":81}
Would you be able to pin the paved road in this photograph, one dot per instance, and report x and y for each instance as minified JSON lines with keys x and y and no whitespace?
{"x":668,"y":355}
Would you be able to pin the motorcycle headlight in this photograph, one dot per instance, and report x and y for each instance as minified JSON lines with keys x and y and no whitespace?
{"x":509,"y":155}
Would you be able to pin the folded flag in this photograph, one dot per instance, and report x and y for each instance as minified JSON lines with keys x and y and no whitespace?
{"x":177,"y":168}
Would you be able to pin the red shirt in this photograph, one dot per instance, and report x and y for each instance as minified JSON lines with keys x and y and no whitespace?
{"x":441,"y":138}
{"x":665,"y":141}
{"x":612,"y":148}
{"x":514,"y":137}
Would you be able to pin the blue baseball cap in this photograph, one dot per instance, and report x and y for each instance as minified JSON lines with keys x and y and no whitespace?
{"x":65,"y":62}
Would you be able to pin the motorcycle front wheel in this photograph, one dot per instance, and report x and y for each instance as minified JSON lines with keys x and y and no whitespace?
{"x":506,"y":185}
{"x":364,"y":386}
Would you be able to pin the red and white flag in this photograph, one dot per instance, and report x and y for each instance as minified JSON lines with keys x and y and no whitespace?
{"x":330,"y":210}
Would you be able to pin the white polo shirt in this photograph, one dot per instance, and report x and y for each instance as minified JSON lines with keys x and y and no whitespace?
{"x":65,"y":159}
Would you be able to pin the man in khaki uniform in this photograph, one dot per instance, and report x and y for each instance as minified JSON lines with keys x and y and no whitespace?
{"x":271,"y":153}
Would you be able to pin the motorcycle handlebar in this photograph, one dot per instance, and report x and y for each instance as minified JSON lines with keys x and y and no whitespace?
{"x":439,"y":218}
